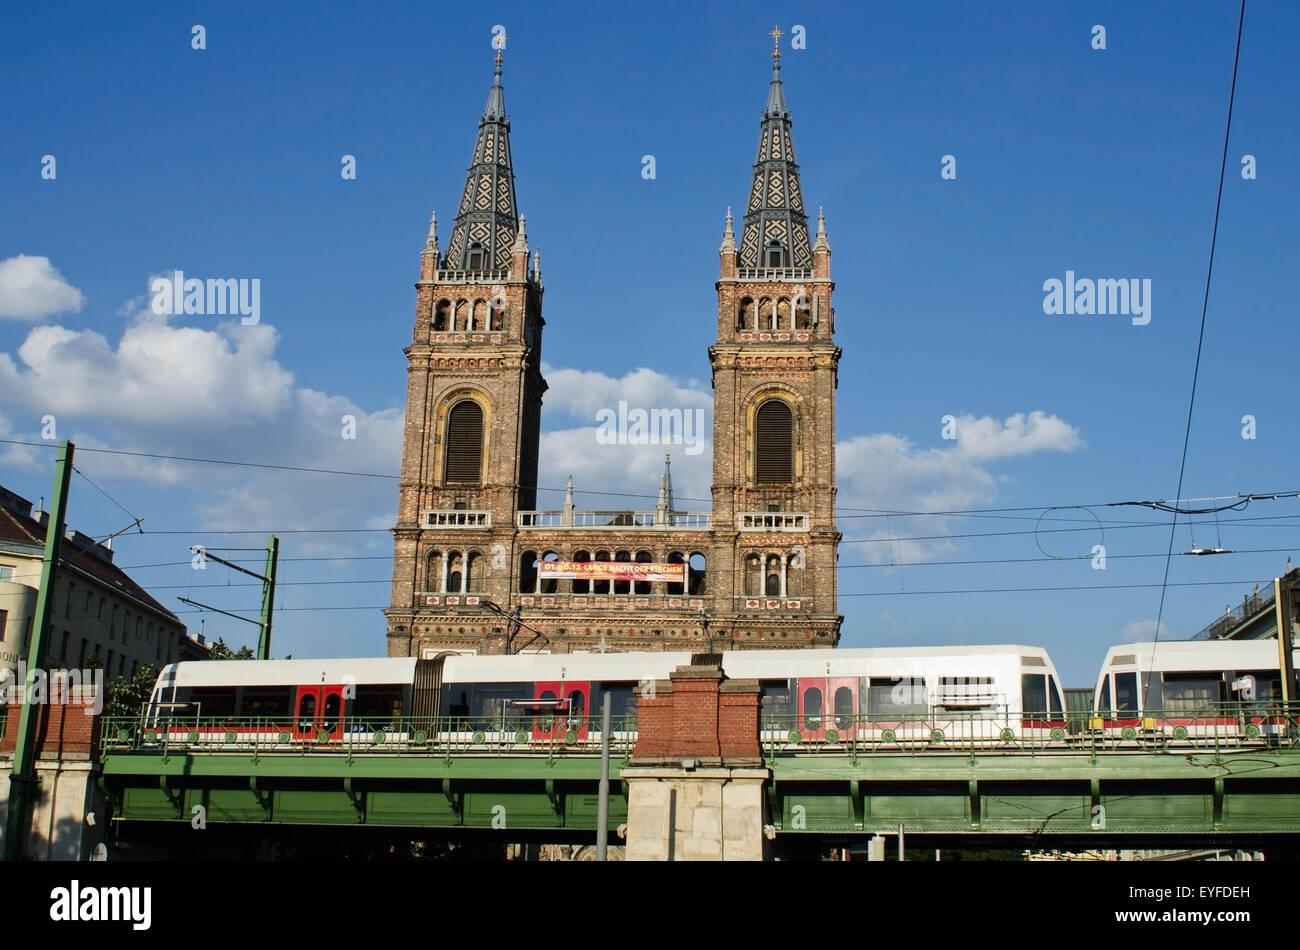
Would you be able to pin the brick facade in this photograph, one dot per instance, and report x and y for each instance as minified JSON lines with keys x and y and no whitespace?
{"x":767,"y":551}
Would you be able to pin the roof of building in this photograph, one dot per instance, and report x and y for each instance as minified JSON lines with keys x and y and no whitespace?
{"x":77,"y":552}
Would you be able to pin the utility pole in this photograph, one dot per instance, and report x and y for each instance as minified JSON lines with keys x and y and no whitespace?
{"x":602,"y":802}
{"x":22,"y":780}
{"x":1283,"y":598}
{"x":268,"y":591}
{"x":268,"y":597}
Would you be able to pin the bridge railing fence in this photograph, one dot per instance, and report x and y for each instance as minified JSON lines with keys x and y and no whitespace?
{"x":440,"y":735}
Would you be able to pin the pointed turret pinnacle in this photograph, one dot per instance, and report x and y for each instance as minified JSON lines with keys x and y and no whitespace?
{"x":432,"y":242}
{"x":821,"y":244}
{"x":665,"y":500}
{"x":521,"y":240}
{"x":537,"y":266}
{"x":728,"y":236}
{"x":483,"y":235}
{"x":776,"y":225}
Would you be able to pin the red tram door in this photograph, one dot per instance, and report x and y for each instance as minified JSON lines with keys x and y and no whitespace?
{"x":564,"y":707}
{"x":318,"y":709}
{"x":828,"y":702}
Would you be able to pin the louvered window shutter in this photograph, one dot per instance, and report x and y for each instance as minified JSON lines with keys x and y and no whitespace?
{"x":464,"y":443}
{"x":774,"y":460}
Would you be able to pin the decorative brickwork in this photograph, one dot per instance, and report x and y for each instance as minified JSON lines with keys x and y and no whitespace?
{"x":763,"y":561}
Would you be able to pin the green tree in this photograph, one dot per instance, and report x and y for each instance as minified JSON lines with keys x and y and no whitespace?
{"x":222,"y":652}
{"x":124,"y":697}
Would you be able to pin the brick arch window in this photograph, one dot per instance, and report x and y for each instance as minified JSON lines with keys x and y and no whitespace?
{"x":774,"y":443}
{"x":747,"y":314}
{"x":464,"y":444}
{"x":442,"y":315}
{"x":582,"y":587}
{"x":643,"y":557}
{"x":753,"y":573}
{"x":783,"y":314}
{"x":676,"y":558}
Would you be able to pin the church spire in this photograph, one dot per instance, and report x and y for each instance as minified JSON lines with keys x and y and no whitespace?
{"x":483,"y":234}
{"x":664,"y":503}
{"x":776,"y":226}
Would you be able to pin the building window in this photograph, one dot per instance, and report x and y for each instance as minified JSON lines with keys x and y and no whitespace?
{"x":67,"y":606}
{"x":112,"y":625}
{"x":753,"y":571}
{"x":102,"y":604}
{"x":6,"y":572}
{"x":695,"y":573}
{"x":528,"y":572}
{"x":676,"y":558}
{"x":643,"y":557}
{"x":455,"y":572}
{"x":775,"y":254}
{"x":4,"y":624}
{"x":581,"y":587}
{"x":774,"y":443}
{"x":772,"y":585}
{"x":464,"y":450}
{"x":441,"y":315}
{"x":476,"y":256}
{"x":137,"y":626}
{"x":63,"y":650}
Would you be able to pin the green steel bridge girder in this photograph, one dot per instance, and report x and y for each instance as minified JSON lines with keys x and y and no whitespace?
{"x":492,"y":792}
{"x":1122,"y":793}
{"x":1194,"y":792}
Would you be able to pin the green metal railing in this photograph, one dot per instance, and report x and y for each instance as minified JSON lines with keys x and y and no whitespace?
{"x":441,"y":735}
{"x":1222,"y":726}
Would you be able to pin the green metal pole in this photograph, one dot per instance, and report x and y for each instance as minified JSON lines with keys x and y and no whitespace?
{"x":22,"y":780}
{"x":602,"y":802}
{"x":268,"y":598}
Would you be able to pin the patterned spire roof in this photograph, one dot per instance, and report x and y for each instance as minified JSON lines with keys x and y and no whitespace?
{"x":775,"y":211}
{"x":487,"y":215}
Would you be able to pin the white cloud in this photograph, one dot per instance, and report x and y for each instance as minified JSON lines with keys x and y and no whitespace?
{"x":1140,"y":631}
{"x":215,"y":392}
{"x":986,"y":439}
{"x":623,"y":468}
{"x":31,"y":288}
{"x":889,"y":473}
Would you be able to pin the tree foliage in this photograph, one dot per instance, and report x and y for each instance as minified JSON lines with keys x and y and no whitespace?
{"x":222,"y":652}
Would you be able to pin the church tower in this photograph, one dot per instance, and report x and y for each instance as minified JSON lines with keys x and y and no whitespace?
{"x":775,"y":368}
{"x":474,"y":396}
{"x":477,"y":568}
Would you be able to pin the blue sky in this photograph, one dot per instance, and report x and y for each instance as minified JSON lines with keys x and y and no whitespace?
{"x":225,"y":162}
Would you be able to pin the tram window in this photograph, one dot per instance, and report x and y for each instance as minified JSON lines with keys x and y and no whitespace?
{"x":1126,"y":692}
{"x":896,"y":697}
{"x":214,"y":702}
{"x":333,"y":704}
{"x":1187,"y":692}
{"x":1267,"y":686}
{"x":1033,"y":693}
{"x":843,"y":708}
{"x":1054,"y":698}
{"x":812,"y":707}
{"x":272,"y":701}
{"x":306,"y":710}
{"x":377,"y":702}
{"x":577,"y":707}
{"x":1103,"y":703}
{"x":774,"y":699}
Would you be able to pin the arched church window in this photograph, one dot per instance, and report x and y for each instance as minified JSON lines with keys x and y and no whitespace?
{"x":746,"y":318}
{"x":464,"y":446}
{"x":441,"y":315}
{"x":774,"y":443}
{"x":775,"y":253}
{"x":476,"y":257}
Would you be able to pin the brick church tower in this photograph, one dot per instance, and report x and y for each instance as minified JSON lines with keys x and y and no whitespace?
{"x":478,"y":568}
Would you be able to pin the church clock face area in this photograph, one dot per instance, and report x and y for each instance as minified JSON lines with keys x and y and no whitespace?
{"x":476,"y":561}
